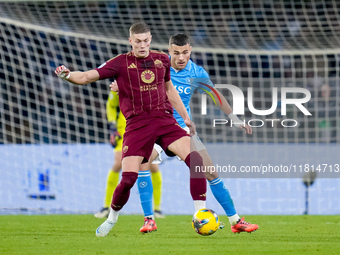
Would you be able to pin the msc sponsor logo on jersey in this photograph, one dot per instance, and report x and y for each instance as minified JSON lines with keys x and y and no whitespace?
{"x":183,"y":89}
{"x":158,"y":63}
{"x":148,"y":76}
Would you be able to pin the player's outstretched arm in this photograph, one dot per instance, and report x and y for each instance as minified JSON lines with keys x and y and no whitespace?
{"x":177,"y":103}
{"x":225,"y":107}
{"x":79,"y":78}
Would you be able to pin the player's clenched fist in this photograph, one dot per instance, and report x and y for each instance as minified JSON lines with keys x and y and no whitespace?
{"x":114,"y":134}
{"x":63,"y":72}
{"x":247,"y":129}
{"x":114,"y":86}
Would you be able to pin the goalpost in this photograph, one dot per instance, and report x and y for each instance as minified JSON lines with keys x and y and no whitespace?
{"x":257,"y":44}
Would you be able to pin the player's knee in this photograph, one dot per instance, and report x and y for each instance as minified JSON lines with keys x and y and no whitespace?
{"x":154,"y":168}
{"x":145,"y":166}
{"x":116,"y":169}
{"x":117,"y":166}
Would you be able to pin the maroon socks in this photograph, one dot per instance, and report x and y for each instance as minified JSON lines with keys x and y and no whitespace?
{"x":198,"y":183}
{"x":122,"y":192}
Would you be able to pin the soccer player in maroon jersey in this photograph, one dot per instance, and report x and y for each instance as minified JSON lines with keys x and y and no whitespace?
{"x":147,"y":97}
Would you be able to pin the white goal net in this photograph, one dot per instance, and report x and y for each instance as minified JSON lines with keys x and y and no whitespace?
{"x":244,"y":43}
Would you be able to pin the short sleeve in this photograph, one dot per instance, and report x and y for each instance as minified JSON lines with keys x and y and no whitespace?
{"x":109,"y":69}
{"x":203,"y":73}
{"x":167,"y":76}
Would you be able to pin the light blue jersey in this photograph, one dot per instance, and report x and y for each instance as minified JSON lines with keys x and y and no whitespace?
{"x":181,"y":80}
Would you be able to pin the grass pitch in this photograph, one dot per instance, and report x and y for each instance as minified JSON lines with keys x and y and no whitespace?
{"x":75,"y":234}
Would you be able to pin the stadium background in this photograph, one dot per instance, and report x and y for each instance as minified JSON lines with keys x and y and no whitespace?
{"x":54,"y":135}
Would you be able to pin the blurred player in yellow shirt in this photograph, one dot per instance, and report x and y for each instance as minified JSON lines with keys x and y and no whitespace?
{"x":117,"y":129}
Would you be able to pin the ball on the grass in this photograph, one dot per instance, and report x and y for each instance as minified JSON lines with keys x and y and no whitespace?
{"x":205,"y":222}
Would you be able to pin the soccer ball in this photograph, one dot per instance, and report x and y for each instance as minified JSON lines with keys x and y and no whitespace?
{"x":205,"y":222}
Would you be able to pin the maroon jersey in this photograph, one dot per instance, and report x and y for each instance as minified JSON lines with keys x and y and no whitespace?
{"x":140,"y":82}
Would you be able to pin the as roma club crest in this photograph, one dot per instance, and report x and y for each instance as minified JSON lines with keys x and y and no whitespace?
{"x":158,"y":63}
{"x":148,"y":76}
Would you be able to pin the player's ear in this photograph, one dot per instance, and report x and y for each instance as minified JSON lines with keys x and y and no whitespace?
{"x":170,"y":49}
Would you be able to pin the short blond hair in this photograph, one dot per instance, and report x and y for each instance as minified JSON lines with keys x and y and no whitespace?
{"x":139,"y":28}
